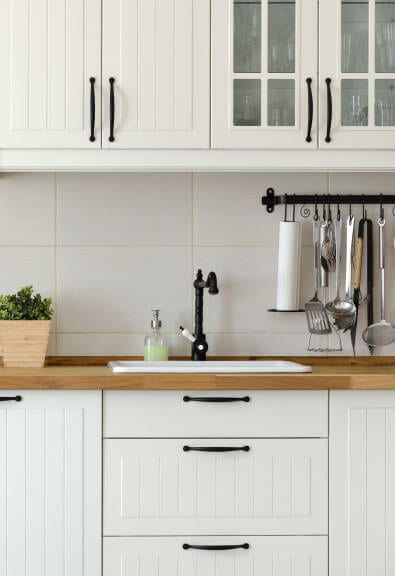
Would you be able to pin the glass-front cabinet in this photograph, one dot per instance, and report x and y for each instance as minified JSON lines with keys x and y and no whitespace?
{"x":264,"y":74}
{"x":357,"y":73}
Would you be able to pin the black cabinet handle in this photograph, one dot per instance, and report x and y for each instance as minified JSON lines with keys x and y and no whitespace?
{"x":10,"y":398}
{"x":224,"y":547}
{"x":93,"y":109}
{"x":112,"y":110}
{"x":309,"y":82}
{"x":215,"y":399}
{"x":216,"y":448}
{"x":329,"y":106}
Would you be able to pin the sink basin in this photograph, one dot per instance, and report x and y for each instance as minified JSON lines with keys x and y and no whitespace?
{"x":208,"y":367}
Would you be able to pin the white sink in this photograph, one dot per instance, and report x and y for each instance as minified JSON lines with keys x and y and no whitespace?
{"x":209,"y":366}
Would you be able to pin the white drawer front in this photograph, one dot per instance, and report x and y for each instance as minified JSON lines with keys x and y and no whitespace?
{"x":161,"y":414}
{"x":155,"y":487}
{"x":279,"y":556}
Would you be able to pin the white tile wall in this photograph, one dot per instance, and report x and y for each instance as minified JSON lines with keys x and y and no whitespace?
{"x":108,"y":248}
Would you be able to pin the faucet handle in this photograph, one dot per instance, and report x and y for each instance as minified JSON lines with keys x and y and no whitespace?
{"x":186,"y":333}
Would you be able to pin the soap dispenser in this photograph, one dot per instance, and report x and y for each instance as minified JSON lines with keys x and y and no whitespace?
{"x":155,"y":346}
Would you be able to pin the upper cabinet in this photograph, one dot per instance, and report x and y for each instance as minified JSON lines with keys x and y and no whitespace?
{"x":264,"y":73}
{"x":357,"y":73}
{"x":49,"y":52}
{"x":156,"y":73}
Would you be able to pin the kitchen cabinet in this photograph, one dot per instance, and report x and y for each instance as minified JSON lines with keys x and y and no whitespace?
{"x":49,"y":52}
{"x":265,"y":81}
{"x":156,"y":73}
{"x":362,"y":483}
{"x":285,"y":556}
{"x":50,"y":483}
{"x":264,"y":73}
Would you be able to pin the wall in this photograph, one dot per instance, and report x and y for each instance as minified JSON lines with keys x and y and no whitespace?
{"x":110,"y":247}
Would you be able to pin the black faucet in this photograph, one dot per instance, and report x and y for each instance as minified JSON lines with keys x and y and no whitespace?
{"x":200,"y":346}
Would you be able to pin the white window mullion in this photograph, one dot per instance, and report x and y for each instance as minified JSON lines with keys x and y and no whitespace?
{"x":265,"y":53}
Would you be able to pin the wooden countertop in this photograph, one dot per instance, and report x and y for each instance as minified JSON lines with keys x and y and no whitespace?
{"x":328,"y":374}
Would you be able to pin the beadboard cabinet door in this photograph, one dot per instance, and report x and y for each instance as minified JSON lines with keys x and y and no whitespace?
{"x":50,"y":483}
{"x":362,"y":483}
{"x":275,"y":556}
{"x":201,"y":486}
{"x":49,"y":51}
{"x":156,"y":73}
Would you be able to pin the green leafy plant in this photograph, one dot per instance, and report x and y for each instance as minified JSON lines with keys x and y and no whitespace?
{"x":24,"y":305}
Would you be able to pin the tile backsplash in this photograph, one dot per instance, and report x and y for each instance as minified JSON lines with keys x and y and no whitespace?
{"x":110,"y":247}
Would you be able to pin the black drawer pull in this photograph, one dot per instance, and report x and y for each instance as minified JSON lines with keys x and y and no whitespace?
{"x":329,"y":112}
{"x":225,"y":547}
{"x":216,"y":448}
{"x":215,"y":399}
{"x":10,"y":398}
{"x":310,"y":109}
{"x":92,"y":110}
{"x":112,"y":109}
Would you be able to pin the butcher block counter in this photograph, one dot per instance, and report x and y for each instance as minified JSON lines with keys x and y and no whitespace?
{"x":92,"y":373}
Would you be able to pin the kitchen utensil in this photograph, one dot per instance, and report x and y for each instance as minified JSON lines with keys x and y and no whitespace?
{"x":357,"y":279}
{"x":343,"y":309}
{"x":323,"y":262}
{"x":328,"y":246}
{"x":332,"y":306}
{"x":317,"y":318}
{"x":369,"y":276}
{"x":381,"y":333}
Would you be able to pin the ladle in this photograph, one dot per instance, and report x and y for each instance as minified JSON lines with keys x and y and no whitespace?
{"x":343,"y":309}
{"x":381,"y":333}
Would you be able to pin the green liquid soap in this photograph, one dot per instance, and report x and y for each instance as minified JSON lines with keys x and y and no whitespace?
{"x":156,"y":353}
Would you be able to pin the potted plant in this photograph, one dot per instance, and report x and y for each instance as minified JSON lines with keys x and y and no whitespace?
{"x":25,"y":320}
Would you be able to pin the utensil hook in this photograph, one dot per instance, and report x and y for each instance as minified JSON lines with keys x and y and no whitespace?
{"x":293,"y":208}
{"x":316,"y":214}
{"x":350,"y":208}
{"x":381,"y":209}
{"x":329,"y":209}
{"x":286,"y":208}
{"x":338,"y":208}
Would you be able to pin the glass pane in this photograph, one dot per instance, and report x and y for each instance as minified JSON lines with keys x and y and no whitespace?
{"x":355,"y":109}
{"x":385,"y":103}
{"x":385,"y":36}
{"x":281,"y":102}
{"x":281,"y":36}
{"x":355,"y":36}
{"x":247,"y":36}
{"x":247,"y":102}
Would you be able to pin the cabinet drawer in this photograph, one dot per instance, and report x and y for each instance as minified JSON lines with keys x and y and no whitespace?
{"x":279,"y":556}
{"x":215,"y":414}
{"x":154,"y":487}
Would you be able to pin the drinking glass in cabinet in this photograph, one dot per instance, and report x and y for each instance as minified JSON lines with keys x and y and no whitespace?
{"x":281,"y":49}
{"x":281,"y":102}
{"x":247,"y":36}
{"x":247,"y":102}
{"x":355,"y":36}
{"x":385,"y":102}
{"x":385,"y":36}
{"x":355,"y":102}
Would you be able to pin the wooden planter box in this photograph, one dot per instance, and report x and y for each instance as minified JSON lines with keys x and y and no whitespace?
{"x":24,"y":342}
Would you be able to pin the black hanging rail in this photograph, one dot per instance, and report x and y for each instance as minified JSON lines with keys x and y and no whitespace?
{"x":271,"y":200}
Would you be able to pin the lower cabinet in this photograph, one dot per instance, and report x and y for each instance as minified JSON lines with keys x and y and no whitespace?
{"x":50,"y":483}
{"x":258,"y":556}
{"x":362,"y":483}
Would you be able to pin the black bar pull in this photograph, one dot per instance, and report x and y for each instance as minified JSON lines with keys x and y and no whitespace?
{"x":216,"y":448}
{"x":219,"y":547}
{"x":309,"y":82}
{"x":329,"y":106}
{"x":112,"y":110}
{"x":215,"y":399}
{"x":93,"y":109}
{"x":10,"y":398}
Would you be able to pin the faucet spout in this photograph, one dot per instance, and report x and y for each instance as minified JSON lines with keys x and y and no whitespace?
{"x":200,"y":346}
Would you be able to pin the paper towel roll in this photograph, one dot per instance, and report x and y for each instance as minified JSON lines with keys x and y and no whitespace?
{"x":288,"y":271}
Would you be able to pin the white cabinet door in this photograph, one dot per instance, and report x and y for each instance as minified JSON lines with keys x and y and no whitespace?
{"x":264,"y":54}
{"x":283,"y":556}
{"x":156,"y":59}
{"x":157,"y":487}
{"x":48,"y":53}
{"x":362,"y":483}
{"x":357,"y":64}
{"x":50,"y":484}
